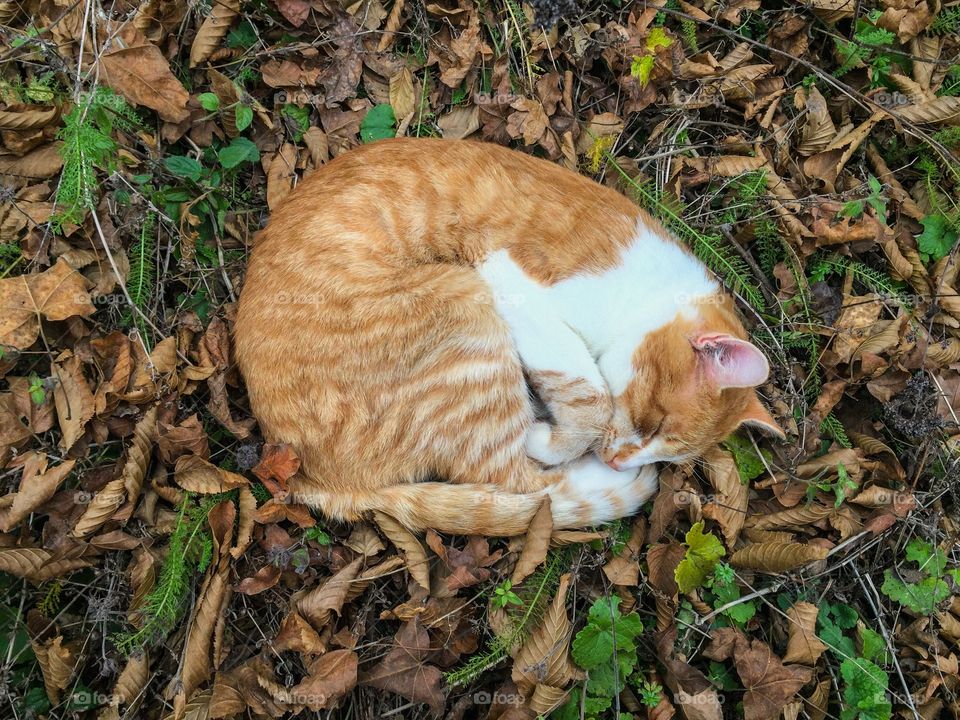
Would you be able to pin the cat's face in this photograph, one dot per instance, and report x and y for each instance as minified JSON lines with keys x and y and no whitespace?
{"x":692,"y":386}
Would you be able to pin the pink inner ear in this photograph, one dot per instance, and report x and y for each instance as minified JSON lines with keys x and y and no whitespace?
{"x":730,"y":362}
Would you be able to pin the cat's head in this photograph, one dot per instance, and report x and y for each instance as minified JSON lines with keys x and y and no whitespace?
{"x":691,"y":386}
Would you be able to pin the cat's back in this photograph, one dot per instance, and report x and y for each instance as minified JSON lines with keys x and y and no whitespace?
{"x":412,"y":200}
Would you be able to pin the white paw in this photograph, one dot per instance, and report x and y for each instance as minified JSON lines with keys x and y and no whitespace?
{"x":645,"y":485}
{"x":539,"y":445}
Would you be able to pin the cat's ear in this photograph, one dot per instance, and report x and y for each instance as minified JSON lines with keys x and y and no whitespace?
{"x":730,"y":362}
{"x":756,"y":415}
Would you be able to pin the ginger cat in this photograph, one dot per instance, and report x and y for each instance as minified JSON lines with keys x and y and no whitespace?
{"x":397,"y":302}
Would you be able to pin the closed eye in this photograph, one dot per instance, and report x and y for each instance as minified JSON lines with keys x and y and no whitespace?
{"x":655,"y":430}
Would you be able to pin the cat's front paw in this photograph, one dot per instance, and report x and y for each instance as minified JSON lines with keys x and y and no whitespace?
{"x":548,"y":445}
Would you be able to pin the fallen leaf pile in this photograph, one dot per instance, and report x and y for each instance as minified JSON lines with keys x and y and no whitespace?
{"x":151,"y":562}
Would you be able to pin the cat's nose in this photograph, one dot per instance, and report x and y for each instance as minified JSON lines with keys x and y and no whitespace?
{"x":614,"y":463}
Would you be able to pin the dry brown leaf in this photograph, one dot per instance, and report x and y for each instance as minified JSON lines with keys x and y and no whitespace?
{"x":137,"y":70}
{"x":194,"y":474}
{"x":729,"y":505}
{"x":817,"y":703}
{"x":795,"y":517}
{"x":331,"y":677}
{"x":248,"y":507}
{"x":35,"y":489}
{"x":56,"y":294}
{"x":41,"y":162}
{"x":662,"y":561}
{"x":318,"y":605}
{"x":803,"y":645}
{"x":402,"y":96}
{"x":364,"y":540}
{"x":109,"y":498}
{"x":197,"y":665}
{"x":413,"y":552}
{"x":775,"y":557}
{"x":73,"y":399}
{"x":943,"y":108}
{"x":214,"y":27}
{"x":405,"y":671}
{"x":133,"y":680}
{"x":545,"y":699}
{"x":57,"y":662}
{"x":624,"y":568}
{"x":545,"y":656}
{"x":819,"y":130}
{"x":23,"y":562}
{"x":26,"y":117}
{"x":769,"y":683}
{"x":462,"y":121}
{"x":282,"y":175}
{"x":278,"y":463}
{"x":296,"y":634}
{"x":536,"y":542}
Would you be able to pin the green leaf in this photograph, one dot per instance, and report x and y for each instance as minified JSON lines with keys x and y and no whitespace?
{"x":378,"y":124}
{"x":930,"y":560}
{"x":865,"y":691}
{"x":874,"y":647}
{"x":749,"y":464}
{"x":606,"y":629}
{"x":642,"y":67}
{"x":937,"y":238}
{"x":658,"y":39}
{"x":703,"y":552}
{"x":240,"y":150}
{"x":922,"y":597}
{"x":243,"y":115}
{"x":182,"y":166}
{"x":208,"y":101}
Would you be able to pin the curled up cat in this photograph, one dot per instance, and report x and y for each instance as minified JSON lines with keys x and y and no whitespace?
{"x":400,"y":300}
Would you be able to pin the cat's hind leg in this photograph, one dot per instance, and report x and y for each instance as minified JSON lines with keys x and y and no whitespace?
{"x":559,"y":365}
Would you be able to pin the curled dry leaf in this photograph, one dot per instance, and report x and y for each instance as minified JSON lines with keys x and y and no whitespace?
{"x":296,"y":634}
{"x":55,"y":294}
{"x":318,"y":605}
{"x":413,"y":552}
{"x":197,"y":664}
{"x":214,"y":27}
{"x":194,"y":474}
{"x":264,"y":579}
{"x":545,"y":657}
{"x":776,"y":557}
{"x":278,"y":463}
{"x":803,"y":645}
{"x":536,"y":542}
{"x":57,"y":662}
{"x":545,"y":699}
{"x":127,"y":487}
{"x":133,"y":679}
{"x":248,"y":508}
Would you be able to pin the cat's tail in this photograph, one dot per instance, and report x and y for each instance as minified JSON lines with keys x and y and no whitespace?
{"x":466,"y":509}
